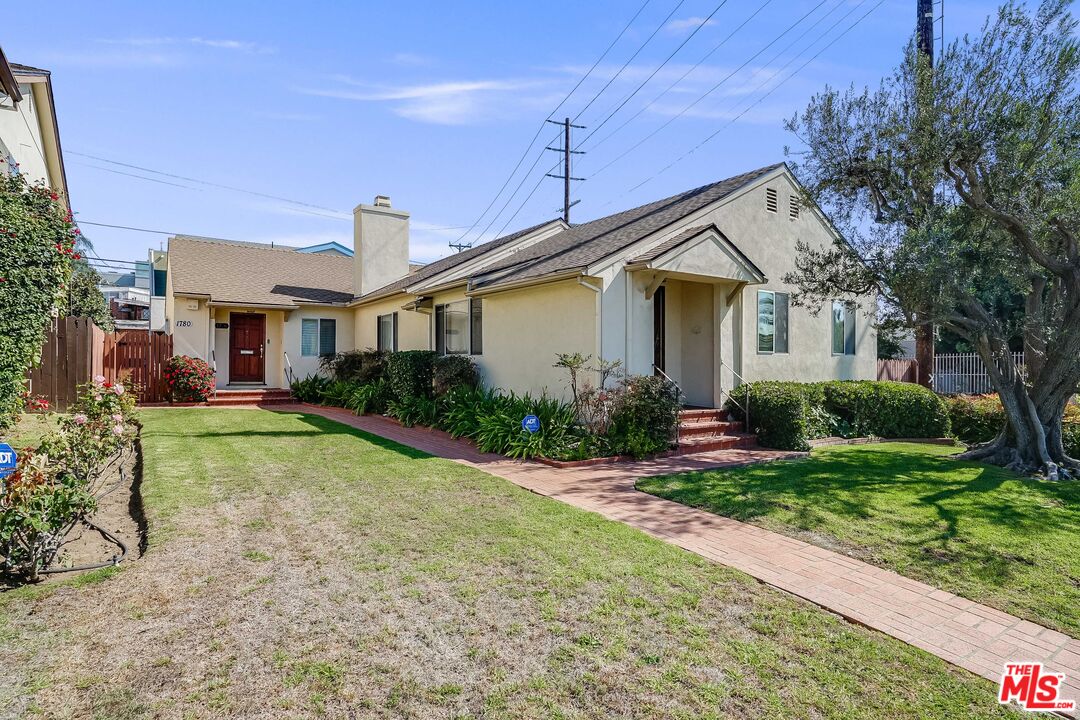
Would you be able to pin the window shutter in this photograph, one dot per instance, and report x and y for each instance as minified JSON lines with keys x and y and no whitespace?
{"x":327,"y":337}
{"x":476,"y":323}
{"x":781,"y":330}
{"x":394,"y":322}
{"x":440,"y":328}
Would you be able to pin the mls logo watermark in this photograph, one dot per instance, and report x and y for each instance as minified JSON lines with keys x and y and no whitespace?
{"x":1033,"y":688}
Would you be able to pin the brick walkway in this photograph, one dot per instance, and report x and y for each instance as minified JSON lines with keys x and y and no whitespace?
{"x":976,"y":637}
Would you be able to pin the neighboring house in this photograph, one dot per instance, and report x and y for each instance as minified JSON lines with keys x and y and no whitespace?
{"x":690,"y":286}
{"x":29,"y":138}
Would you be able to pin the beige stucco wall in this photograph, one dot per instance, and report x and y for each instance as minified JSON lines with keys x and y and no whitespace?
{"x":20,"y":133}
{"x":524,"y":329}
{"x":413,"y":327}
{"x":346,"y":325}
{"x":189,"y":322}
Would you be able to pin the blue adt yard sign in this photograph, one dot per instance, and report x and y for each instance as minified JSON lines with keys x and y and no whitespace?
{"x":530,"y":423}
{"x":7,"y":460}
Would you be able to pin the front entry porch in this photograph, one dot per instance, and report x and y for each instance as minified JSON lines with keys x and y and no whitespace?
{"x":247,"y":348}
{"x":693,"y":287}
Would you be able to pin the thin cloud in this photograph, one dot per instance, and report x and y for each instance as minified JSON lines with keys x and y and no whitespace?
{"x":408,"y":59}
{"x":687,"y":24}
{"x":445,"y":103}
{"x":243,"y":46}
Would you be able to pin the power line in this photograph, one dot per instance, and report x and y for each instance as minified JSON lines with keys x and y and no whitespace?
{"x":208,"y":183}
{"x":659,"y":67}
{"x":708,"y":92}
{"x":630,"y":60}
{"x":140,"y":177}
{"x":691,"y":69}
{"x":766,"y":95}
{"x":540,"y":129}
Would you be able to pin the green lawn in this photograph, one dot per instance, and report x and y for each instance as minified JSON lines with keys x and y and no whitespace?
{"x":29,"y":430}
{"x":300,"y":568}
{"x":979,"y":531}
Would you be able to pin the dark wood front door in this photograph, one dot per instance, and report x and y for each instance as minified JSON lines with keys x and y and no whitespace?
{"x":247,"y":333}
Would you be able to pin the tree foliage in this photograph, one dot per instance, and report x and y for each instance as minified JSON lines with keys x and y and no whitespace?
{"x":37,"y":241}
{"x":85,"y":299}
{"x":958,"y":188}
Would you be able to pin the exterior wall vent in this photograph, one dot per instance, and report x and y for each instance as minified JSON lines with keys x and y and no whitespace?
{"x":793,"y":208}
{"x":770,"y":200}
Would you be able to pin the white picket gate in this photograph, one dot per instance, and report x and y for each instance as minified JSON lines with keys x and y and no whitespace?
{"x":965,"y":373}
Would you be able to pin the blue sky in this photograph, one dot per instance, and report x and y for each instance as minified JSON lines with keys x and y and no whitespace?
{"x":432,"y":103}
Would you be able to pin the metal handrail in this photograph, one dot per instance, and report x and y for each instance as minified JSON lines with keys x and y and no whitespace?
{"x":679,"y":389}
{"x":746,"y":410}
{"x":288,"y":368}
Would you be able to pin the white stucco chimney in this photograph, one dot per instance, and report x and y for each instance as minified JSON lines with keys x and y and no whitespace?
{"x":381,"y":245}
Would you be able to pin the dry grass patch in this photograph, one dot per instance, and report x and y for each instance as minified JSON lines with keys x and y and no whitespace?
{"x":299,"y":568}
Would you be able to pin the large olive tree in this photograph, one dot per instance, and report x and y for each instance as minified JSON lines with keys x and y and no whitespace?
{"x":958,"y":189}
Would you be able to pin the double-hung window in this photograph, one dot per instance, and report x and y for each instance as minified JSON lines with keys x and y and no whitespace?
{"x":772,"y":322}
{"x":318,"y":337}
{"x":459,"y":327}
{"x":843,"y":328}
{"x":387,"y":332}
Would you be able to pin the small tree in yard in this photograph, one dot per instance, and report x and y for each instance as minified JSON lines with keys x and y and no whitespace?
{"x":958,"y":187}
{"x":84,"y":298}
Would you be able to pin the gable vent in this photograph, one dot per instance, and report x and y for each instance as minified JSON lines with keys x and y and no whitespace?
{"x":793,"y":208}
{"x":770,"y":200}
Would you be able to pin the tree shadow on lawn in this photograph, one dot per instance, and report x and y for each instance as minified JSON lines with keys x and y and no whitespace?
{"x":974,"y":509}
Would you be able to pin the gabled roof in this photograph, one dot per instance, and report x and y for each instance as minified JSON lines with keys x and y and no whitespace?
{"x":582,"y":245}
{"x":451,"y":261}
{"x":331,"y":248}
{"x":240,"y":272}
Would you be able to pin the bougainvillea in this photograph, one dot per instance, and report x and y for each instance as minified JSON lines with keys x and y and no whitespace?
{"x":57,"y":486}
{"x":37,"y":248}
{"x":189,"y":379}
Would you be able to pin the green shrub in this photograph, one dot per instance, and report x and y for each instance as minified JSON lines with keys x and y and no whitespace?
{"x":37,"y":249}
{"x":976,"y":418}
{"x":373,"y":397}
{"x":462,"y":408}
{"x":310,"y":389}
{"x":787,"y":415}
{"x":887,"y":409}
{"x":337,"y":393}
{"x":778,"y":413}
{"x":646,"y":418}
{"x":499,"y":427}
{"x":189,"y":379}
{"x":454,"y":371}
{"x":359,"y":366}
{"x":414,"y":411}
{"x":410,"y":373}
{"x":1070,"y":437}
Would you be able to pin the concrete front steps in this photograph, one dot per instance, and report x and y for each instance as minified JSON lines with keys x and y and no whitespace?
{"x":251,"y":396}
{"x":708,"y":429}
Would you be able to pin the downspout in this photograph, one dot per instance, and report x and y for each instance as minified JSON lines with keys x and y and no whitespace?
{"x":599,"y":310}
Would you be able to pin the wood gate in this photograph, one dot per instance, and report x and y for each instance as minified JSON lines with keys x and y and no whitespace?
{"x":138,"y":357}
{"x":71,"y":355}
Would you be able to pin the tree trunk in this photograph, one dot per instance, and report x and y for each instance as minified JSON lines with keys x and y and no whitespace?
{"x":1031,"y":441}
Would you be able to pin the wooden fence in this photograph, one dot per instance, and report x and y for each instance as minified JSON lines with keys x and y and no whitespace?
{"x":138,"y":357}
{"x":71,"y":355}
{"x":902,"y":370}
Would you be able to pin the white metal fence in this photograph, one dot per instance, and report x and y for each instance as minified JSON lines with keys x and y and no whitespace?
{"x":965,"y":373}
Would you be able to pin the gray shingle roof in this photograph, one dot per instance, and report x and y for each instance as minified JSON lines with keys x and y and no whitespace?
{"x":238,"y":272}
{"x":434,"y":268}
{"x":584,"y":244}
{"x":655,"y":252}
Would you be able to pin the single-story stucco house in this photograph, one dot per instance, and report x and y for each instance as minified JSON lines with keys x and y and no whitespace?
{"x":691,"y":286}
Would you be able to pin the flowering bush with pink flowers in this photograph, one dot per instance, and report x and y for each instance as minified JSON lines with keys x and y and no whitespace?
{"x":57,"y":486}
{"x":189,"y":379}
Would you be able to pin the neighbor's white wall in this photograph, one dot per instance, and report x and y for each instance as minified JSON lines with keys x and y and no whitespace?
{"x":20,"y":133}
{"x":524,"y":329}
{"x":304,"y":366}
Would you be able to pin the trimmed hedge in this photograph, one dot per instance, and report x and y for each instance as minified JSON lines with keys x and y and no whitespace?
{"x":453,"y":371}
{"x":788,"y":415}
{"x":411,"y":373}
{"x":976,"y":418}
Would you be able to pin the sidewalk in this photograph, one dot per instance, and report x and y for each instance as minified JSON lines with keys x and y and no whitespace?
{"x":976,"y":637}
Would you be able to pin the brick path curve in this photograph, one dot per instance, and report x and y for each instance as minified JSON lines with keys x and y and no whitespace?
{"x":973,"y":636}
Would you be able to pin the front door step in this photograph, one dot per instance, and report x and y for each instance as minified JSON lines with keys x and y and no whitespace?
{"x":703,"y":430}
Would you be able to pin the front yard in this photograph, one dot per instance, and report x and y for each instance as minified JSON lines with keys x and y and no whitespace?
{"x":300,"y":568}
{"x":975,"y":530}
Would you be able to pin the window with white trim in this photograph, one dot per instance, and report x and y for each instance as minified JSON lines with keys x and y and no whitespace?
{"x":318,"y":337}
{"x":843,"y":328}
{"x":459,"y":328}
{"x":772,"y":322}
{"x":386,"y":332}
